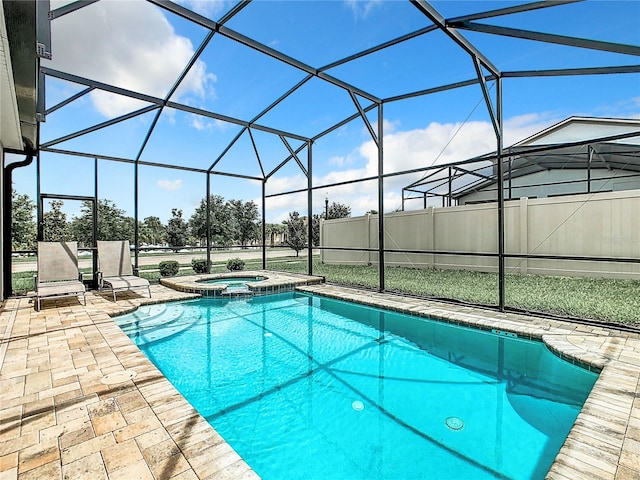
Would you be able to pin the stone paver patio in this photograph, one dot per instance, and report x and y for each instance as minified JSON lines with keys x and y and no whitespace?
{"x":78,"y":400}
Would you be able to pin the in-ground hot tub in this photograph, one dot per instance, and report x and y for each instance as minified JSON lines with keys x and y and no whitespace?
{"x":256,"y":282}
{"x":234,"y":285}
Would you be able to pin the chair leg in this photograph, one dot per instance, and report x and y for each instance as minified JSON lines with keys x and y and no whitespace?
{"x":114,"y":294}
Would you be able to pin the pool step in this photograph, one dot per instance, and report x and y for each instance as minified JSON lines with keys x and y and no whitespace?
{"x":173,"y":322}
{"x":151,"y":315}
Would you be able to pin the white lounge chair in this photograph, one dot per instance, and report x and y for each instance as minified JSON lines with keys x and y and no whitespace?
{"x":58,"y":274}
{"x":115,"y":271}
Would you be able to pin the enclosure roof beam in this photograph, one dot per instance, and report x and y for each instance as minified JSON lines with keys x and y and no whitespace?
{"x":234,"y":11}
{"x":68,"y":100}
{"x":120,"y":159}
{"x":260,"y":47}
{"x":343,"y":122}
{"x":69,"y":77}
{"x":100,"y":126}
{"x":237,"y":175}
{"x":227,"y":148}
{"x":487,"y":97}
{"x":366,"y":121}
{"x":549,"y":38}
{"x":71,"y":7}
{"x":382,"y":46}
{"x":255,"y":149}
{"x":225,"y":118}
{"x":573,"y":71}
{"x":284,"y":162}
{"x":294,"y":156}
{"x":161,"y":102}
{"x":442,"y":88}
{"x":430,"y":12}
{"x":510,"y":10}
{"x":282,"y":97}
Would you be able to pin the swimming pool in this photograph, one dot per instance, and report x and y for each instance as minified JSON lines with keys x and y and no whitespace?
{"x":308,"y":387}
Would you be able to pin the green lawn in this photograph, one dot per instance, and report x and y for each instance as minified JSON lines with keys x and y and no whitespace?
{"x":589,"y":298}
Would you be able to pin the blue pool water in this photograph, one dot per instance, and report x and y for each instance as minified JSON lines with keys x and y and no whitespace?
{"x":312,"y":388}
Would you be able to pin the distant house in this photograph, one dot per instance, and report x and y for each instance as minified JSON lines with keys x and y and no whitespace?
{"x":568,"y":158}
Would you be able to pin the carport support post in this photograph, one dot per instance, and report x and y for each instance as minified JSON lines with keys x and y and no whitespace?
{"x":310,"y":208}
{"x":380,"y":200}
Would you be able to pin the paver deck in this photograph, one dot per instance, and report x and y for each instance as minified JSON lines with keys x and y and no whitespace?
{"x":78,"y":400}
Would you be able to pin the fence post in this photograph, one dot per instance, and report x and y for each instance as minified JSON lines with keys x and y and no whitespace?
{"x":524,"y":234}
{"x":431,"y":236}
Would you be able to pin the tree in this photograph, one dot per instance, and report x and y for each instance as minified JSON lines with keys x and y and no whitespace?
{"x":315,"y":229}
{"x":335,"y":210}
{"x":220,"y":215}
{"x":23,"y":225}
{"x":338,"y":210}
{"x":176,"y":230}
{"x":55,"y":226}
{"x":272,"y":230}
{"x":112,"y":223}
{"x":245,"y":221}
{"x":296,"y":232}
{"x":152,"y":231}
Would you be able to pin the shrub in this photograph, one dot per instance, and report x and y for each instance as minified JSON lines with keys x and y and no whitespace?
{"x":235,"y":264}
{"x":200,"y":265}
{"x":168,"y":268}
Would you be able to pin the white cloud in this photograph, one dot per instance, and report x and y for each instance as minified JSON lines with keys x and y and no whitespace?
{"x":436,"y":144}
{"x":362,"y":8}
{"x":130,"y":45}
{"x":338,"y":160}
{"x":170,"y":185}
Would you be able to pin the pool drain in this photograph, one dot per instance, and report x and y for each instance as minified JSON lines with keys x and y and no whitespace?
{"x":454,"y":423}
{"x":357,"y":405}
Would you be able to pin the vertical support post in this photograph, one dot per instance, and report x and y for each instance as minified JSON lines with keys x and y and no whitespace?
{"x":380,"y":199}
{"x":450,"y":184}
{"x":510,"y":163}
{"x":39,"y":213}
{"x":403,"y":199}
{"x":499,"y":137}
{"x":589,"y":160}
{"x":264,"y":225}
{"x":136,"y":198}
{"x":424,"y":200}
{"x":208,"y":243}
{"x":94,"y":214}
{"x":309,"y":209}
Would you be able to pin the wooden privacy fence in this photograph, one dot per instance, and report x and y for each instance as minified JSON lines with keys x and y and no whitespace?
{"x":604,"y":225}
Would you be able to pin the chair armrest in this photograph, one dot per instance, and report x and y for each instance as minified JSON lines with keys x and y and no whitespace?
{"x":100,"y":279}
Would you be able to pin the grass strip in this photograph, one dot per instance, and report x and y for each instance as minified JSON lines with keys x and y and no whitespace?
{"x":600,"y":299}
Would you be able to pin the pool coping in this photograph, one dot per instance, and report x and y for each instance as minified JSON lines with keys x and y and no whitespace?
{"x":272,"y":282}
{"x":43,"y":402}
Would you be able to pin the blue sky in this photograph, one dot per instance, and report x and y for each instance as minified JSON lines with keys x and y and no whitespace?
{"x":138,"y":46}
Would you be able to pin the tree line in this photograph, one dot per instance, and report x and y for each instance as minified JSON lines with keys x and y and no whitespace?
{"x":233,"y":222}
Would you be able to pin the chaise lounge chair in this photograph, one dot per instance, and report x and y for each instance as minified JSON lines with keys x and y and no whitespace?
{"x":58,"y":274}
{"x":115,"y":271}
